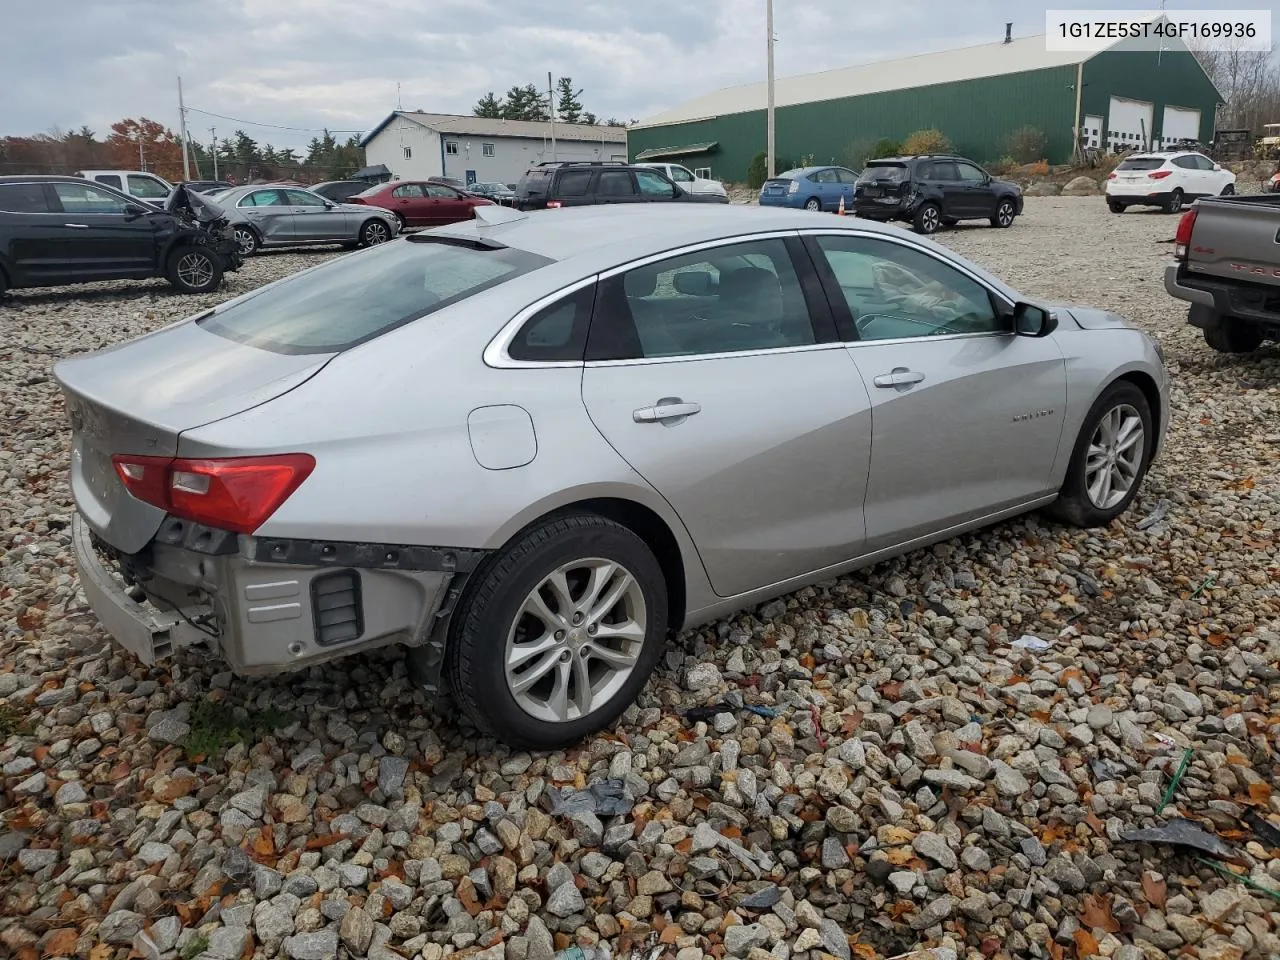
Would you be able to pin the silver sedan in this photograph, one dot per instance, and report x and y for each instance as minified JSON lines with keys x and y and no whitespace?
{"x":533,"y":447}
{"x":267,"y":215}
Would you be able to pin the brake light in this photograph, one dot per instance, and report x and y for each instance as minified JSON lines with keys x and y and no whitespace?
{"x":1111,"y":176}
{"x":231,"y":493}
{"x":795,"y":187}
{"x":1182,"y":239}
{"x":1159,"y":174}
{"x":554,"y":204}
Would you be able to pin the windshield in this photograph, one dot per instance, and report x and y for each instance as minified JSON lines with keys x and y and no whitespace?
{"x":358,"y":297}
{"x":1141,"y":163}
{"x":883,"y":171}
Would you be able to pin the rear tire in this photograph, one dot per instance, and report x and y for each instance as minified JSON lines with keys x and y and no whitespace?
{"x":374,"y":232}
{"x":1100,"y":454}
{"x":247,"y":240}
{"x":194,"y":269}
{"x":813,"y":203}
{"x":1174,"y":203}
{"x":1229,"y":335}
{"x":1115,"y":206}
{"x":1005,"y":212}
{"x":510,"y":600}
{"x":927,"y":219}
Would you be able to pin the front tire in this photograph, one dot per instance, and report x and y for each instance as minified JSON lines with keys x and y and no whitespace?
{"x":374,"y":232}
{"x":1229,"y":335}
{"x":1228,"y":190}
{"x":813,"y":203}
{"x":247,"y":240}
{"x":1110,"y":459}
{"x":194,"y":269}
{"x":558,"y":632}
{"x":927,"y":219}
{"x":1004,"y":214}
{"x":1174,"y":203}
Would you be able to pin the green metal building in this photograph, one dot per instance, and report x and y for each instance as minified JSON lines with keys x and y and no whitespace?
{"x":1116,"y":99}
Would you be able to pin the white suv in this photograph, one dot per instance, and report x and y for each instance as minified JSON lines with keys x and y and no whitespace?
{"x":1166,"y":180}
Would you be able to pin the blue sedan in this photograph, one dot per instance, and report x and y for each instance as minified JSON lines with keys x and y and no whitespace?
{"x":813,"y":188}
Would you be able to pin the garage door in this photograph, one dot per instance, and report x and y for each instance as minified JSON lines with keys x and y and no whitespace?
{"x":1128,"y":124}
{"x":1180,"y":123}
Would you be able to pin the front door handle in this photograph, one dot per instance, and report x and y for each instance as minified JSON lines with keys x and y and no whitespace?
{"x":900,"y":377}
{"x":78,"y":226}
{"x":666,"y":410}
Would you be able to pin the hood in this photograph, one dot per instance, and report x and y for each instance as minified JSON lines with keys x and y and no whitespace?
{"x":1088,"y":318}
{"x":361,"y":208}
{"x":198,"y":205}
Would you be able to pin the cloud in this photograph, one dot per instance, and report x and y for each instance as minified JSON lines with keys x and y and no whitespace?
{"x":335,"y":64}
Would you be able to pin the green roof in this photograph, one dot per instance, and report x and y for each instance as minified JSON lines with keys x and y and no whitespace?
{"x":653,"y":152}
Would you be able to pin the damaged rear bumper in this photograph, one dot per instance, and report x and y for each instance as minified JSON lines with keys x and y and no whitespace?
{"x":272,"y":606}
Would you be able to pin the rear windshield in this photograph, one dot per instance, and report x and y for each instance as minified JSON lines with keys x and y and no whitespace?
{"x":364,"y":295}
{"x":883,"y":171}
{"x":1141,"y":163}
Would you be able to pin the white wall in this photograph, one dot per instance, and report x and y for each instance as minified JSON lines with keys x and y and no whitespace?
{"x":388,"y":147}
{"x":512,"y":156}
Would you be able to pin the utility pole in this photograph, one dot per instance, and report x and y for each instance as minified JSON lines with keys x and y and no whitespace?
{"x":768,"y":15}
{"x":182,"y":125}
{"x":142,"y":160}
{"x":213,"y":137}
{"x":551,"y":108}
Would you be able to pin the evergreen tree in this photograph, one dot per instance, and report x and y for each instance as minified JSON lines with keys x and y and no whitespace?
{"x":568,"y":102}
{"x":488,"y":106}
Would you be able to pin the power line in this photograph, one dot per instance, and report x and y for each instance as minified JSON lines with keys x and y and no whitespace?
{"x":273,"y":126}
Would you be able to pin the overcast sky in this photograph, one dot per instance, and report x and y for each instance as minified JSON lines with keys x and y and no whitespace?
{"x":338,"y":64}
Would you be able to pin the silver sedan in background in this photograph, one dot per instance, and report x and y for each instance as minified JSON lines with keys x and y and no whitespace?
{"x":532,"y":447}
{"x":267,"y":215}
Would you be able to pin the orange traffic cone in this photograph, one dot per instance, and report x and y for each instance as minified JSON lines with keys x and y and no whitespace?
{"x":841,"y":212}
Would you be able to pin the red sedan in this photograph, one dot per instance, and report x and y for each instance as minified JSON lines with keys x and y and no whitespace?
{"x":421,"y":204}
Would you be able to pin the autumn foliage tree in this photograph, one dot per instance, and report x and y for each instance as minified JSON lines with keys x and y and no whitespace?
{"x":161,"y":150}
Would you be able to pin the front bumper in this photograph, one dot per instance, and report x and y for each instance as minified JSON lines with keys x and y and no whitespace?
{"x":265,"y":617}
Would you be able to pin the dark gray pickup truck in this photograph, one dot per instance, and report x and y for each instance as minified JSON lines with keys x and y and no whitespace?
{"x":1227,"y":266}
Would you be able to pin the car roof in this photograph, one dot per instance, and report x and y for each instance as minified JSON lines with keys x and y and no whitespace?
{"x":41,"y":178}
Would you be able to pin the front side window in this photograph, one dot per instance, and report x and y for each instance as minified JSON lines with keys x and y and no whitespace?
{"x":652,"y":185}
{"x":23,"y":198}
{"x":441,"y":192}
{"x":148,"y":188}
{"x":681,"y":175}
{"x":896,"y":292}
{"x":616,"y":183}
{"x":304,"y":198}
{"x":353,"y":299}
{"x":556,"y":333}
{"x":969,"y":173}
{"x":574,"y":183}
{"x":1203,"y":162}
{"x":745,"y":296}
{"x":846,"y":176}
{"x":84,"y":198}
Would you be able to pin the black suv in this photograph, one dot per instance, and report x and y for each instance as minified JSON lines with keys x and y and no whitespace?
{"x":934,"y":191}
{"x":61,"y":230}
{"x":580,"y":183}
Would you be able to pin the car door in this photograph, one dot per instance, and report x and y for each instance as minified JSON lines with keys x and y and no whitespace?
{"x":449,"y":205}
{"x":616,"y":186}
{"x":267,"y":212}
{"x":315,"y":218}
{"x":967,"y":416}
{"x":105,"y":235}
{"x":1212,"y":177}
{"x":828,"y":187}
{"x":945,"y":179}
{"x":30,"y":232}
{"x":715,"y":373}
{"x":656,"y":188}
{"x":979,"y":196}
{"x":411,"y":202}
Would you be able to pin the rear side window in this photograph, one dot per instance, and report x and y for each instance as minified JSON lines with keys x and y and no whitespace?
{"x":556,"y":333}
{"x":23,"y":198}
{"x":574,"y":183}
{"x":110,"y":179}
{"x":1141,"y":163}
{"x":616,"y":183}
{"x":356,"y":298}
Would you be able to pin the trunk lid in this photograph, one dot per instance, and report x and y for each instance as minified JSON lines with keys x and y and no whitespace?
{"x":1236,"y":238}
{"x":777,"y":186}
{"x":139,"y":396}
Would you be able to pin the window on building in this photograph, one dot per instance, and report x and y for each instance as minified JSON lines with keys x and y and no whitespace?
{"x":408,"y":152}
{"x":487,"y":149}
{"x":451,"y":147}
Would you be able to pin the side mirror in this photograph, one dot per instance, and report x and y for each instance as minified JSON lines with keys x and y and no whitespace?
{"x":1218,"y":167}
{"x":133,"y":211}
{"x":1033,"y":321}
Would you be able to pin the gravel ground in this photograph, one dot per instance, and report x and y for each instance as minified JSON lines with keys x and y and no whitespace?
{"x":879,"y":769}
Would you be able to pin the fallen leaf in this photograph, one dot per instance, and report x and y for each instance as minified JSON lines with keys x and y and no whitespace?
{"x":61,"y":943}
{"x":1260,"y":793}
{"x":1086,"y":943}
{"x":865,"y":950}
{"x":325,"y":840}
{"x":670,"y":934}
{"x":851,"y":723}
{"x":102,"y":951}
{"x":1154,"y":889}
{"x":264,"y":846}
{"x":1097,"y":913}
{"x":1216,"y":639}
{"x":899,"y":909}
{"x":1056,"y":952}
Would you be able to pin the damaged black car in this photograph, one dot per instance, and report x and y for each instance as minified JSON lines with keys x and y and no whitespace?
{"x":63,"y":230}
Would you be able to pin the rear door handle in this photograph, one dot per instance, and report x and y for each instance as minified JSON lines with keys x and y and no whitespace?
{"x":899,"y":378}
{"x":665,"y":410}
{"x":78,"y":226}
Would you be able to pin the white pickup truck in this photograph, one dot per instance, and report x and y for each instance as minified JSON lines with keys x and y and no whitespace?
{"x":688,"y":182}
{"x":142,"y":186}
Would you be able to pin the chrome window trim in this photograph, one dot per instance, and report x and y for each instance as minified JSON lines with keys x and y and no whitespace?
{"x":724,"y":355}
{"x":495,"y":354}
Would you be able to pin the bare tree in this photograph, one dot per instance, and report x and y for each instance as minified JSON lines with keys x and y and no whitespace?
{"x":1249,"y":81}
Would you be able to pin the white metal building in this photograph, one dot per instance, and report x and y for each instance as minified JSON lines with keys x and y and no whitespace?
{"x":415,"y":145}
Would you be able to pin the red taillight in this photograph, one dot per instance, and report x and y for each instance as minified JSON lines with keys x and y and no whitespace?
{"x":1111,"y":176}
{"x":1159,"y":174}
{"x":1182,"y":239}
{"x":234,"y":493}
{"x":553,"y":204}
